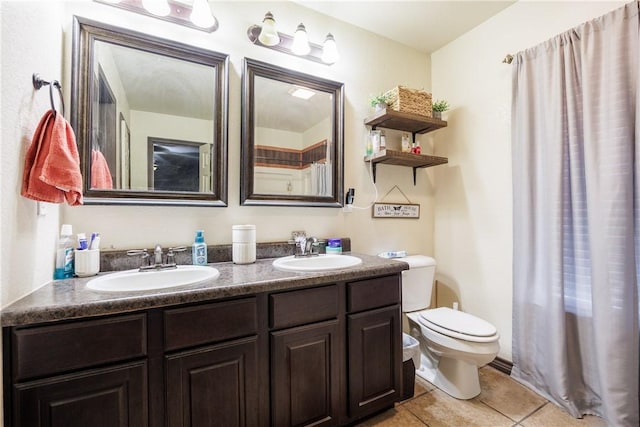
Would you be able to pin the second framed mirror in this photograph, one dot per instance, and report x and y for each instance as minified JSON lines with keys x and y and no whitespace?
{"x":292,"y":138}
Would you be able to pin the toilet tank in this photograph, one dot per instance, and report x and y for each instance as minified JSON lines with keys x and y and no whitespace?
{"x":417,"y":282}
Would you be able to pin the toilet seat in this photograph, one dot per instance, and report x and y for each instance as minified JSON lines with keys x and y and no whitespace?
{"x":458,"y":324}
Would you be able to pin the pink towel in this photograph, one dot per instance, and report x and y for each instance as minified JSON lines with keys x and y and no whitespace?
{"x":52,"y":165}
{"x":100,"y":174}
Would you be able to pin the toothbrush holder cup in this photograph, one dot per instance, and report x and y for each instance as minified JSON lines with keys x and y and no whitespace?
{"x":87,"y":262}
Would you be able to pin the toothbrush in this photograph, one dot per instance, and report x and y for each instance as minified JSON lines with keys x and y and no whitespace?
{"x":95,"y":241}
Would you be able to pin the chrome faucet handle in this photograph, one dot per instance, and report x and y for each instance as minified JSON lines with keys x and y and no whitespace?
{"x":142,"y":252}
{"x":171,"y":252}
{"x":178,"y":249}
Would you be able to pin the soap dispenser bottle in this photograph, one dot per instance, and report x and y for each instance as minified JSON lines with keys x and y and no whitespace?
{"x":199,"y":249}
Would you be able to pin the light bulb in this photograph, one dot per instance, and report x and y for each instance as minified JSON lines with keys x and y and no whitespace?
{"x":330,"y":50}
{"x":201,"y":14}
{"x":300,"y":44}
{"x":157,"y":7}
{"x":268,"y":34}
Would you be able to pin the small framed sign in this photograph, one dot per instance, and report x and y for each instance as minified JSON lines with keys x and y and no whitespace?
{"x":395,"y":210}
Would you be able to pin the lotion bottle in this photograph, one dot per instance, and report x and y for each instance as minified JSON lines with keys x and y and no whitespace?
{"x":199,"y":249}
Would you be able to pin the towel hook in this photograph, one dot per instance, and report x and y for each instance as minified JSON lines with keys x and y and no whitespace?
{"x":38,"y":82}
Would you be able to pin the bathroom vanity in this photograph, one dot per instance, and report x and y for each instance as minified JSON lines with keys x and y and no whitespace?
{"x":255,"y":347}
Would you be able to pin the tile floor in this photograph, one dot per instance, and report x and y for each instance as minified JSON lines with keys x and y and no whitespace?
{"x":502,"y":402}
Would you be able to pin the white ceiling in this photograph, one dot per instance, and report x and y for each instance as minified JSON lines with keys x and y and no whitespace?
{"x":425,"y":25}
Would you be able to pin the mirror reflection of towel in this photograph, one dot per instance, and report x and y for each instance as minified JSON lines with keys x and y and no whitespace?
{"x":100,"y":173}
{"x":52,"y":165}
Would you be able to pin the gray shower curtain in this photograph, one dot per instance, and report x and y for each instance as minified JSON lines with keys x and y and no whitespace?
{"x":576,"y":185}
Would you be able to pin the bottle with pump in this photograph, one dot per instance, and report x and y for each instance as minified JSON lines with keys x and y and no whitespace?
{"x":199,"y":249}
{"x":64,"y":254}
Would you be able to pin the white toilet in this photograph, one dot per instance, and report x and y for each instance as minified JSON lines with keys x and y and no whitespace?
{"x":453,"y":344}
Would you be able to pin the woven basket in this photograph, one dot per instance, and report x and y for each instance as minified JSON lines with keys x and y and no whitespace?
{"x":406,"y":100}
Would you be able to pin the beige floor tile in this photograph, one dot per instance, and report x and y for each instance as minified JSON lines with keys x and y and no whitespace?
{"x":399,"y":416}
{"x":438,"y":409}
{"x":507,"y":396}
{"x":552,"y":416}
{"x":423,"y":386}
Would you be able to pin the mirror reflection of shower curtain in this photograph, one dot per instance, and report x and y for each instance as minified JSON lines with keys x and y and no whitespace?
{"x":321,"y":174}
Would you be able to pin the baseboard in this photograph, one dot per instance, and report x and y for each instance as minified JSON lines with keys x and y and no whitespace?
{"x":502,"y":365}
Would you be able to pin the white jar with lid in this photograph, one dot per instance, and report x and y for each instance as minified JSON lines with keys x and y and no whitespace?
{"x":243,"y":243}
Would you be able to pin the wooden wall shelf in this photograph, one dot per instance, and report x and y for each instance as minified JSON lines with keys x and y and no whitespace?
{"x":398,"y":158}
{"x":407,"y":122}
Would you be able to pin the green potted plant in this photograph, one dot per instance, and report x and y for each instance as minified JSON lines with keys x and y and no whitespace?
{"x":379,"y":102}
{"x":438,"y":107}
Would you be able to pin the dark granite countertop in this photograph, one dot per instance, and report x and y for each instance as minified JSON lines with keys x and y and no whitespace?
{"x":70,"y":299}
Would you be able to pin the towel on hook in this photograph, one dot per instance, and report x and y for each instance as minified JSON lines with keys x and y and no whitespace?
{"x":52,"y":165}
{"x":100,"y":174}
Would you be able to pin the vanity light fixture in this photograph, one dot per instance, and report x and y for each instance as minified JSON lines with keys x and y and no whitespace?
{"x":269,"y":35}
{"x":201,"y":14}
{"x":298,"y":44}
{"x":330,"y":50}
{"x":190,"y":13}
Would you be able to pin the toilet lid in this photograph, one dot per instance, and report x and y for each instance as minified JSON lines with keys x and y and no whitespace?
{"x":458,"y":322}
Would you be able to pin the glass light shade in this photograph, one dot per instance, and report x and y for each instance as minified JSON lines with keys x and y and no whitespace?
{"x":330,"y":50}
{"x":268,"y":34}
{"x":300,"y":44}
{"x":201,"y":14}
{"x":113,"y":1}
{"x":157,"y":7}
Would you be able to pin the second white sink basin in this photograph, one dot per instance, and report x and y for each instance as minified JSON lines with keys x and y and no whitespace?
{"x":316,"y":263}
{"x":134,"y":280}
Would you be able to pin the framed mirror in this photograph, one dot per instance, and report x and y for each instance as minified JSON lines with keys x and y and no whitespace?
{"x":292,"y":138}
{"x":150,"y":117}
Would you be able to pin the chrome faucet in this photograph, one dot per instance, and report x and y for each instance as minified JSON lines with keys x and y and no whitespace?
{"x":157,"y":255}
{"x":309,"y":244}
{"x":157,"y":258}
{"x":306,"y":247}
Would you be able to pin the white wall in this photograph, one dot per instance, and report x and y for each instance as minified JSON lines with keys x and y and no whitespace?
{"x":32,"y":42}
{"x":473,"y":223}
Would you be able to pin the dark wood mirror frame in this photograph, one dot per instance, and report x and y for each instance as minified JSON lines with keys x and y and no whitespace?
{"x":85,"y":33}
{"x":248,"y":196}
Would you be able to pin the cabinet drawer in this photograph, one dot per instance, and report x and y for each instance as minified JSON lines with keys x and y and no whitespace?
{"x":46,"y":350}
{"x":202,"y":324}
{"x":373,"y":293}
{"x":294,"y":308}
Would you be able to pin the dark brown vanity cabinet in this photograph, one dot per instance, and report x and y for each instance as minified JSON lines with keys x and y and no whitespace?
{"x":325,"y":355}
{"x":374,"y":336}
{"x":82,"y":373}
{"x":211,"y":364}
{"x":305,"y":357}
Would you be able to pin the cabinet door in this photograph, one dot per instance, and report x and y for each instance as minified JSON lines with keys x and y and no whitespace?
{"x":305,"y":375}
{"x":375,"y":360}
{"x":213,"y":386}
{"x":113,"y":397}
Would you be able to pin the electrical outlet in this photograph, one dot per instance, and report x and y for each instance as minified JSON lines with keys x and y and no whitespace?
{"x":41,"y":208}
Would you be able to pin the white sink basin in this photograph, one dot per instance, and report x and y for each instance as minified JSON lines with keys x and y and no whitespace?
{"x":134,"y":280}
{"x":316,"y":263}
